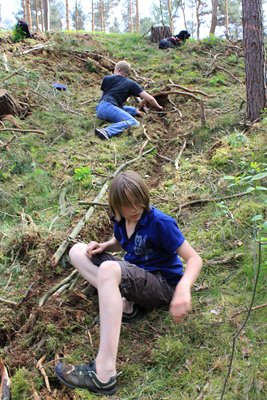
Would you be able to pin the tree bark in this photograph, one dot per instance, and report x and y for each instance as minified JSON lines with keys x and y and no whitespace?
{"x":198,"y":4}
{"x":101,"y":15}
{"x":254,"y":56}
{"x":42,"y":14}
{"x":37,"y":19}
{"x":170,"y":14}
{"x":214,"y":16}
{"x":93,"y":16}
{"x":67,"y":15}
{"x":183,"y":11}
{"x":226,"y":17}
{"x":76,"y":15}
{"x":137,"y":22}
{"x":8,"y":104}
{"x":29,"y":15}
{"x":46,"y":15}
{"x":24,"y":10}
{"x":160,"y":32}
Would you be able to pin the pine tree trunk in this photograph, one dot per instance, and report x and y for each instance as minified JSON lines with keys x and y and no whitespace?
{"x":226,"y":17}
{"x":37,"y":19}
{"x":214,"y":16}
{"x":29,"y":15}
{"x":254,"y":56}
{"x":137,"y":16}
{"x":160,"y":32}
{"x":42,"y":15}
{"x":24,"y":10}
{"x":67,"y":15}
{"x":170,"y":14}
{"x":93,"y":16}
{"x":183,"y":11}
{"x":101,"y":15}
{"x":76,"y":15}
{"x":131,"y":16}
{"x":46,"y":15}
{"x":198,"y":4}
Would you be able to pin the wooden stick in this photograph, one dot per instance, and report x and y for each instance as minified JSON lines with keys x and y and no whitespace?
{"x":253,"y":308}
{"x":22,"y":130}
{"x":5,"y":382}
{"x":179,"y":155}
{"x":56,"y":287}
{"x":190,"y":90}
{"x":8,"y":301}
{"x":207,"y":201}
{"x":62,"y":248}
{"x":93,"y":203}
{"x":41,"y":369}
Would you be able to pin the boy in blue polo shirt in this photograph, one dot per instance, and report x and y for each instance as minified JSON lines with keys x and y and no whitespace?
{"x":149,"y":276}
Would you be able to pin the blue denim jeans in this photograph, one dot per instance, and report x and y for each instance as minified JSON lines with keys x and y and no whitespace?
{"x":109,"y":112}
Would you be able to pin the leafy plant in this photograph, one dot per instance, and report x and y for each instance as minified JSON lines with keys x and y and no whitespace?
{"x":82,"y":173}
{"x":17,"y":34}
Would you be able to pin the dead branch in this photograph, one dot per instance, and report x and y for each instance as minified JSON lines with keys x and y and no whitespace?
{"x":207,"y":201}
{"x":8,"y":301}
{"x":93,"y":203}
{"x":62,"y":248}
{"x":56,"y":287}
{"x":190,"y":90}
{"x":228,"y":72}
{"x":179,"y":155}
{"x":246,"y":310}
{"x":8,"y":142}
{"x":41,"y":369}
{"x":22,"y":130}
{"x":225,"y":260}
{"x":37,"y":47}
{"x":143,"y":146}
{"x":14,"y":73}
{"x":5,"y":382}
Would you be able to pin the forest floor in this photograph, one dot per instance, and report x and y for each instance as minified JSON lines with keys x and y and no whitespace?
{"x":207,"y":169}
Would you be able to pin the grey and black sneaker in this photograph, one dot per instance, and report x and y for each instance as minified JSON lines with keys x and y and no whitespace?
{"x":101,"y":133}
{"x":85,"y":377}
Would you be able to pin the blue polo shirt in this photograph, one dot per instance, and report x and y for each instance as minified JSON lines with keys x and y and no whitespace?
{"x":153,"y":244}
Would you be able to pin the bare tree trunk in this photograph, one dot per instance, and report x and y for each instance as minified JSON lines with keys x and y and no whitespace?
{"x":24,"y":10}
{"x":37,"y":19}
{"x":137,"y":16}
{"x":42,"y":15}
{"x":183,"y":11}
{"x":46,"y":15}
{"x":29,"y":15}
{"x":93,"y":16}
{"x":214,"y":16}
{"x":76,"y":15}
{"x":67,"y":15}
{"x":198,"y":4}
{"x":160,"y":32}
{"x":254,"y":56}
{"x":101,"y":15}
{"x":226,"y":17}
{"x":131,"y":16}
{"x":170,"y":14}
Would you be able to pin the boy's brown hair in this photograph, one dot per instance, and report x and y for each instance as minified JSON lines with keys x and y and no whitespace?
{"x":125,"y":187}
{"x":124,"y":66}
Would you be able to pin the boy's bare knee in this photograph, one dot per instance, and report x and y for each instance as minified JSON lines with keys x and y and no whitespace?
{"x":109,"y":270}
{"x":78,"y":248}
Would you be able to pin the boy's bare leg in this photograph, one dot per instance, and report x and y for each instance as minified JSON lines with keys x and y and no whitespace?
{"x":110,"y":304}
{"x":83,"y":263}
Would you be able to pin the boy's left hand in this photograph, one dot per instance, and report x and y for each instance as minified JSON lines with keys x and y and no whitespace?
{"x":181,"y":303}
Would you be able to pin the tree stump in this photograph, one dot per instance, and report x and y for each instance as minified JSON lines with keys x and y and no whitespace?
{"x":8,"y":104}
{"x":160,"y":32}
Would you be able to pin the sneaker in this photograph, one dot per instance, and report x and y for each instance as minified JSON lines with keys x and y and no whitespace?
{"x":84,"y":377}
{"x":101,"y":133}
{"x":135,"y":315}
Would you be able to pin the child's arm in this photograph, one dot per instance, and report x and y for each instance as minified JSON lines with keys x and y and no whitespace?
{"x":181,"y":301}
{"x":96,"y":248}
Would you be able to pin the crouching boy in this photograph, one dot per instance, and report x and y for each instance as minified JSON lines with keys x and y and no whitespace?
{"x":150,"y":276}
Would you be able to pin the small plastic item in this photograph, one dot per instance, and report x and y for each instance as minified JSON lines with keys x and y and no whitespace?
{"x":59,"y":86}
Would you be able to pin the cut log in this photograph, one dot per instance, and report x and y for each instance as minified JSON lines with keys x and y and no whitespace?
{"x":160,"y":32}
{"x":8,"y":104}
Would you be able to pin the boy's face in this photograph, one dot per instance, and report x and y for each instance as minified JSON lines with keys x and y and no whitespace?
{"x":132,"y":212}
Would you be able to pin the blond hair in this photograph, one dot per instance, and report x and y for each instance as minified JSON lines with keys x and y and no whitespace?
{"x":124,"y":66}
{"x":127,"y":185}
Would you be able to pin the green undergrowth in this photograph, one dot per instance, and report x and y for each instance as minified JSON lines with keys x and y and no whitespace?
{"x":52,"y":162}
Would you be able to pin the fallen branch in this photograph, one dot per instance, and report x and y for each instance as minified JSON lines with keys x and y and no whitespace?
{"x":63,"y":247}
{"x":56,"y":287}
{"x":93,"y":203}
{"x":191,"y":203}
{"x":246,"y":310}
{"x":5,"y":382}
{"x":179,"y":155}
{"x":228,"y":72}
{"x":190,"y":90}
{"x":14,"y":73}
{"x":38,"y":47}
{"x":22,"y":130}
{"x":41,"y":369}
{"x":8,"y":301}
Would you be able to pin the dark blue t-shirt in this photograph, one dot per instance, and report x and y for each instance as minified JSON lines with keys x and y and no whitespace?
{"x":153,"y":244}
{"x":117,"y":89}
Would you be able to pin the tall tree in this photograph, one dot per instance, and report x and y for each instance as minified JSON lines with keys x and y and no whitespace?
{"x":93,"y":15}
{"x":42,"y":14}
{"x":67,"y":15}
{"x":78,"y":16}
{"x":214,"y":15}
{"x":57,"y":14}
{"x":46,"y":10}
{"x":29,"y":14}
{"x":166,"y":12}
{"x":254,"y":56}
{"x":24,"y":10}
{"x":226,"y":17}
{"x":137,"y":21}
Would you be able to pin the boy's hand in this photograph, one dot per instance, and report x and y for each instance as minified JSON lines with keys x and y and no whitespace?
{"x":94,"y":248}
{"x":181,"y":303}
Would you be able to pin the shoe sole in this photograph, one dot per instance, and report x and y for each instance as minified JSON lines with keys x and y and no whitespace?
{"x":102,"y":391}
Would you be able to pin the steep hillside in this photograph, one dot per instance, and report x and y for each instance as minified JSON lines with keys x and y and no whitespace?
{"x":53,"y":166}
